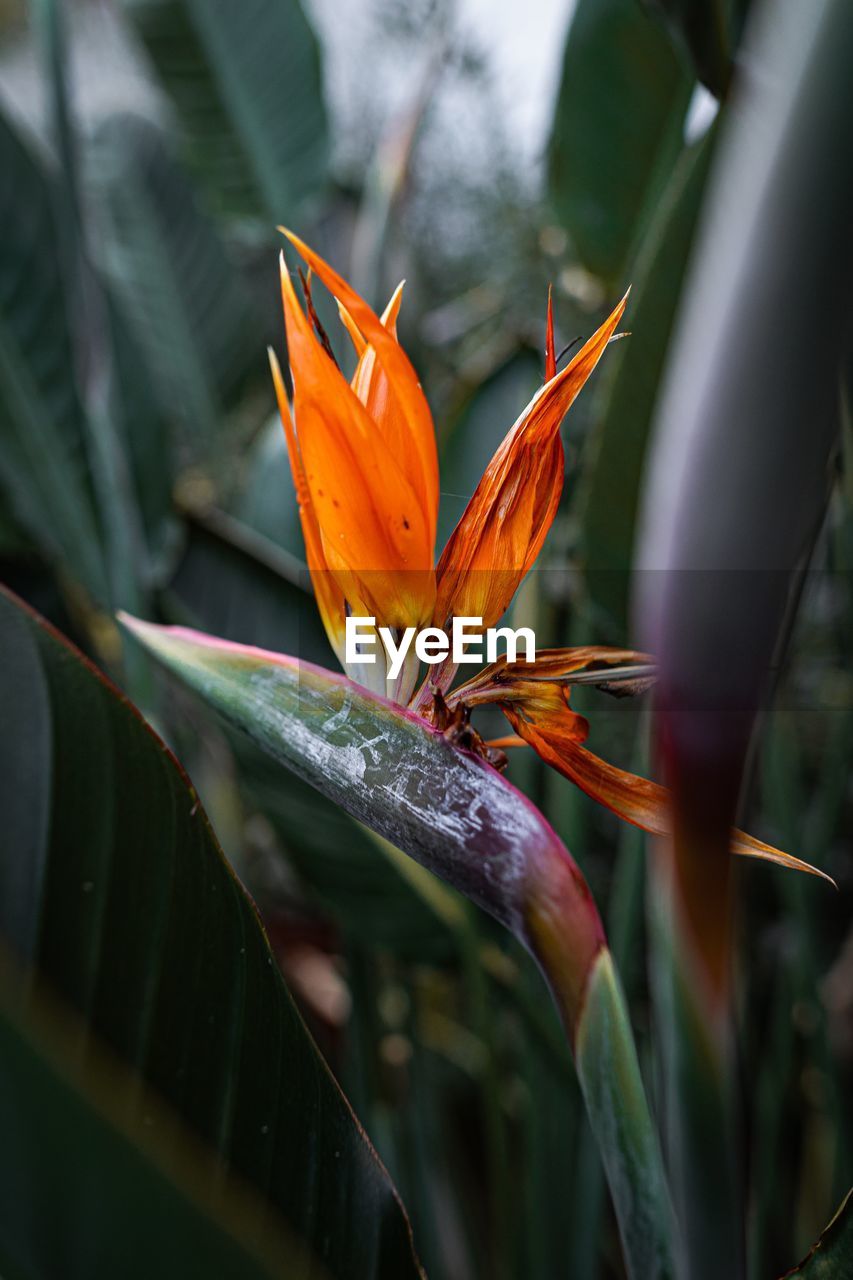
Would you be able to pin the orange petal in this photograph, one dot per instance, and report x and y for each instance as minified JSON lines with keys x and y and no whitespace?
{"x":418,"y":454}
{"x":388,"y":318}
{"x":352,"y":329}
{"x":504,"y":525}
{"x":643,"y":803}
{"x":505,"y":743}
{"x":550,"y":355}
{"x":330,"y":599}
{"x":375,"y":538}
{"x":370,"y":383}
{"x":748,"y":847}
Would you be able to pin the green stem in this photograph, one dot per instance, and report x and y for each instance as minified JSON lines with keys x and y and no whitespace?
{"x":565,"y":935}
{"x":612,"y":1087}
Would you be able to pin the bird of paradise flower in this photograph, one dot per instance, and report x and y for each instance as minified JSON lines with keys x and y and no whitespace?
{"x":365,"y":468}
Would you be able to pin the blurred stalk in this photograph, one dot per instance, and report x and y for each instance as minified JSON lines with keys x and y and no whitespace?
{"x":385,"y":184}
{"x":624,"y":926}
{"x":812,"y":827}
{"x":746,"y":426}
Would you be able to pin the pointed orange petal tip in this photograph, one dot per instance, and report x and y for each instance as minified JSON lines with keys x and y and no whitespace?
{"x":356,"y":336}
{"x":550,"y":356}
{"x":295,"y":240}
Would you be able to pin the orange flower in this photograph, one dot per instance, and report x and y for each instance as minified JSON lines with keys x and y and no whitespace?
{"x":364,"y":465}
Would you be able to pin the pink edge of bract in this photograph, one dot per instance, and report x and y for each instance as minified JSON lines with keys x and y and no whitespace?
{"x":140,"y":628}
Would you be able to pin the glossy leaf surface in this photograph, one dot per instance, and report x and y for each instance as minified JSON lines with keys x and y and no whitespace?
{"x":116,"y":894}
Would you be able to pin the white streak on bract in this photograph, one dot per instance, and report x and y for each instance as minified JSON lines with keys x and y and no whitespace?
{"x":449,"y":811}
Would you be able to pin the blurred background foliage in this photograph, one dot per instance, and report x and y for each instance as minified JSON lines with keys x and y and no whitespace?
{"x":147,"y":150}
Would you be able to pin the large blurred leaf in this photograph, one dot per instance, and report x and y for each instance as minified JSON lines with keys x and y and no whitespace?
{"x":236,"y":582}
{"x":746,"y":427}
{"x":617,"y":129}
{"x":44,"y":464}
{"x":244,"y":77}
{"x":607,"y":502}
{"x":116,"y":893}
{"x":267,"y":502}
{"x":148,"y":442}
{"x":182,"y":298}
{"x":160,"y":1208}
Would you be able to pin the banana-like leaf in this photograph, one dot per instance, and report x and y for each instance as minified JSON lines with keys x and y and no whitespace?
{"x":161,"y":1207}
{"x":244,"y":77}
{"x":181,"y":295}
{"x":746,"y":427}
{"x":831,"y":1257}
{"x":462,"y":820}
{"x":115,"y":894}
{"x":149,"y":445}
{"x":44,"y":462}
{"x":617,"y":129}
{"x":267,"y":499}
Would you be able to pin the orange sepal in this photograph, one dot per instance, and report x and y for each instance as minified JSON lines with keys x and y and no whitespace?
{"x":416,"y":451}
{"x":330,"y":599}
{"x":557,"y":737}
{"x":504,"y":525}
{"x":550,"y":350}
{"x":375,"y":538}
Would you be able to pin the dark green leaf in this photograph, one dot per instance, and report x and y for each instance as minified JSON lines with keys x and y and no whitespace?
{"x":244,"y":77}
{"x":617,"y":129}
{"x":112,"y":1185}
{"x":44,"y":461}
{"x":180,"y":294}
{"x":267,"y":501}
{"x":148,"y":445}
{"x":242,"y":586}
{"x":116,"y":893}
